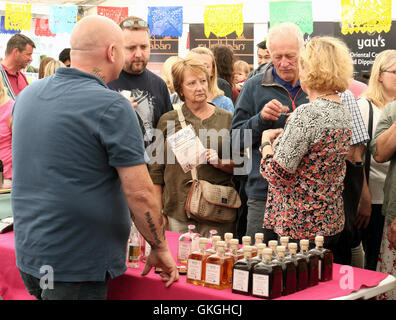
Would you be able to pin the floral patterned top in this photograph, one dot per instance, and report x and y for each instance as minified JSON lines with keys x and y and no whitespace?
{"x":306,"y":173}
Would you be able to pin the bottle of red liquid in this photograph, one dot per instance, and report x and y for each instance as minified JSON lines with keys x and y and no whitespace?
{"x":325,"y":265}
{"x":267,"y":278}
{"x":289,"y":274}
{"x":313,"y":263}
{"x":301,"y":267}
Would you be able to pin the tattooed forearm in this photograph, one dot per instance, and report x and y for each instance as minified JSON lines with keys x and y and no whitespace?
{"x":153,"y":230}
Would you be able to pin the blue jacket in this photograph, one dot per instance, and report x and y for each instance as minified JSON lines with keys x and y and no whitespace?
{"x":256,"y":92}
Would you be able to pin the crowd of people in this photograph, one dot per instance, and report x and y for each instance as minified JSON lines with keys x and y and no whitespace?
{"x":91,"y":146}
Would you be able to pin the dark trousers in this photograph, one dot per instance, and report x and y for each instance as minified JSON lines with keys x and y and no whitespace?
{"x":350,"y":237}
{"x":89,"y":290}
{"x":242,"y":210}
{"x":372,"y":237}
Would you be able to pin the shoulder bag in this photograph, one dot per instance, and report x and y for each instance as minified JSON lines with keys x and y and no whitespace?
{"x":207,"y":201}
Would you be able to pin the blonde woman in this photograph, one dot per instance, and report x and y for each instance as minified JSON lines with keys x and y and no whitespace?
{"x":51,"y":67}
{"x":305,"y":167}
{"x":381,"y":90}
{"x":166,"y":72}
{"x":6,"y":106}
{"x":43,"y":64}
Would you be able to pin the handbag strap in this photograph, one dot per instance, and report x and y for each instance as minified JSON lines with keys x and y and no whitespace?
{"x":367,"y":161}
{"x":182,"y":120}
{"x":7,"y":83}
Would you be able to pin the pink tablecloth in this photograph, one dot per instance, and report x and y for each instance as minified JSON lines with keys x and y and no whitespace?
{"x":132,"y":286}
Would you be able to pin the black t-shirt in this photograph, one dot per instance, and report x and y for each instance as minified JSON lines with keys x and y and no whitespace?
{"x":151,"y":94}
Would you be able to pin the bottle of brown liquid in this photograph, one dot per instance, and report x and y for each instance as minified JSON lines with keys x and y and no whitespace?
{"x":241,"y":273}
{"x":301,"y":267}
{"x":313,"y":263}
{"x":325,"y":265}
{"x":289,"y":273}
{"x":267,"y":278}
{"x":218,"y":269}
{"x":195,"y":264}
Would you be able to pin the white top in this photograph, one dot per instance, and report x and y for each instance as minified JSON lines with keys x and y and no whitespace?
{"x":377,"y":170}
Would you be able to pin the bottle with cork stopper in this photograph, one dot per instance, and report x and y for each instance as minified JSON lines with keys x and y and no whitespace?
{"x":289,"y":273}
{"x":273,"y":244}
{"x":312,"y":261}
{"x":195,"y":272}
{"x":284,"y":241}
{"x":301,"y":267}
{"x":234,"y":249}
{"x":241,"y":273}
{"x":246,"y":240}
{"x":267,"y":277}
{"x":218,"y":269}
{"x":227,"y":239}
{"x":325,"y":264}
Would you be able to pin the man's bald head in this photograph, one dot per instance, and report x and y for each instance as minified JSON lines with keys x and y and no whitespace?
{"x":93,"y":41}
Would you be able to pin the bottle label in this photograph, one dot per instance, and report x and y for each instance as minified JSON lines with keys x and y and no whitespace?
{"x":260,"y":285}
{"x":184,"y":250}
{"x":240,"y":280}
{"x":212,"y":274}
{"x":194,"y":269}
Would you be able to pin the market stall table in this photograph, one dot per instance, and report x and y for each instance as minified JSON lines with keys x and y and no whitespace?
{"x":132,"y":286}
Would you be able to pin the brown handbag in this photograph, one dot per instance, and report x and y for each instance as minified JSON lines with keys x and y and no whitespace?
{"x":207,"y":201}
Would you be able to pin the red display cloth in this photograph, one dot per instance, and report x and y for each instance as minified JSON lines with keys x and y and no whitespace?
{"x":132,"y":286}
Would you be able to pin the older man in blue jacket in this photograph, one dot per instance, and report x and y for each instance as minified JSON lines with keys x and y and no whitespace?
{"x":264,"y":103}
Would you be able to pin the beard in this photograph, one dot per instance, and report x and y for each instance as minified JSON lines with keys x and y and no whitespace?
{"x":132,"y":68}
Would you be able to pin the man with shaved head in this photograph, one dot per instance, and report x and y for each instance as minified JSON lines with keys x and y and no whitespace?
{"x":76,"y":148}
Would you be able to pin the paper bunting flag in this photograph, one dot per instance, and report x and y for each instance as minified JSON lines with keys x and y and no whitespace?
{"x":18,"y":16}
{"x":117,"y":14}
{"x":366,"y":16}
{"x":165,"y":21}
{"x":292,"y":11}
{"x":42,"y":28}
{"x":62,"y":18}
{"x":222,"y":20}
{"x":3,"y":29}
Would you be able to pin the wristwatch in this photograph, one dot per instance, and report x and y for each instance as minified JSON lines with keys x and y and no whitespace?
{"x":266,"y":143}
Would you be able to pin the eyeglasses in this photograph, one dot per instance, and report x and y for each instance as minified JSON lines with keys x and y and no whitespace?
{"x":390,"y":71}
{"x":131,"y":23}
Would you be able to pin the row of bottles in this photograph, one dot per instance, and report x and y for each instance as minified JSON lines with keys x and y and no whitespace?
{"x":280,"y":270}
{"x":138,"y":248}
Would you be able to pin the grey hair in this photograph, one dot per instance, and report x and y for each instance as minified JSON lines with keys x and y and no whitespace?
{"x":286,"y":28}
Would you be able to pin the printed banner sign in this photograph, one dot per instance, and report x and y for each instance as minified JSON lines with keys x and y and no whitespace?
{"x":18,"y":16}
{"x":366,"y":16}
{"x":117,"y":14}
{"x":62,"y":18}
{"x":42,"y":28}
{"x":298,"y":12}
{"x":222,"y":20}
{"x":165,"y":21}
{"x":3,"y":29}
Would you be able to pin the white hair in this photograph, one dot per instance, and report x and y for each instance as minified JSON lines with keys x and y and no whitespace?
{"x":288,"y":28}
